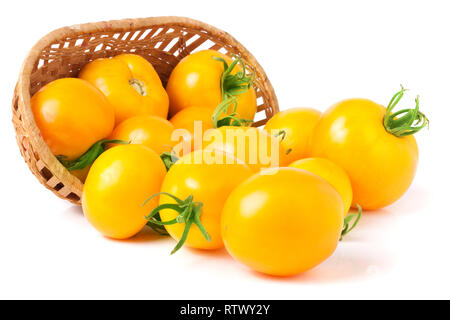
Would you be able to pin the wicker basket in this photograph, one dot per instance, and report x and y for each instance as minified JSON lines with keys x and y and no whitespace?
{"x":163,"y":41}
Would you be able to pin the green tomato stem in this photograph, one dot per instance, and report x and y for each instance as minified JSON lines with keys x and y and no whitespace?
{"x":348,"y":219}
{"x":169,"y":159}
{"x":404,"y":122}
{"x":189,"y":212}
{"x":229,"y":118}
{"x":89,"y":156}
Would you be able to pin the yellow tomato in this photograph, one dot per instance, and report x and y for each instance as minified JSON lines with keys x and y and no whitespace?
{"x":150,"y":131}
{"x":373,"y":146}
{"x":208,"y":177}
{"x":282,"y":224}
{"x":118,"y":184}
{"x":131,"y":85}
{"x":331,"y":172}
{"x":196,"y":82}
{"x":71,"y":115}
{"x":255,"y":147}
{"x":295,"y":127}
{"x":185,"y":119}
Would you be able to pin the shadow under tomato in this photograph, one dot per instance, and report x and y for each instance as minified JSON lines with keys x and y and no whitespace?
{"x":340,"y":267}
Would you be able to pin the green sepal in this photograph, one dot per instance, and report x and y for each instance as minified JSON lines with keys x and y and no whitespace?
{"x":230,"y":118}
{"x":169,"y":159}
{"x":89,"y":156}
{"x":406,"y":121}
{"x":189,"y":212}
{"x":355,"y":217}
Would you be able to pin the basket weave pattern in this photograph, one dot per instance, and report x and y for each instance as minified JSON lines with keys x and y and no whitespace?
{"x":163,"y":41}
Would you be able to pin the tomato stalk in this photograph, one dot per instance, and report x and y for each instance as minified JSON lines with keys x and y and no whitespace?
{"x":169,"y":159}
{"x":406,"y":121}
{"x":234,"y":84}
{"x":188,"y":213}
{"x":89,"y":156}
{"x":230,"y":117}
{"x":156,"y":227}
{"x":348,"y":219}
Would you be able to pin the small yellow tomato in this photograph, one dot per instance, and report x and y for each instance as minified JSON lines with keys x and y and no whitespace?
{"x":374,"y":146}
{"x":196,"y":82}
{"x":131,"y":85}
{"x":295,"y":127}
{"x":284,"y":223}
{"x":208,"y":177}
{"x":71,"y":115}
{"x":117,"y":186}
{"x":255,"y":147}
{"x":331,"y":172}
{"x":150,"y":131}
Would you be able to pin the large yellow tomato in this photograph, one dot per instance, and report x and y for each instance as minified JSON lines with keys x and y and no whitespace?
{"x":331,"y":172}
{"x":71,"y":115}
{"x":282,"y":224}
{"x":197,"y":82}
{"x":255,"y":147}
{"x":117,"y":186}
{"x":131,"y":85}
{"x":150,"y":131}
{"x":202,"y":180}
{"x":373,"y":146}
{"x":186,"y":119}
{"x":294,"y":126}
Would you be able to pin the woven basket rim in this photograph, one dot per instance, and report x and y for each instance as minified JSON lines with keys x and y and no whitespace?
{"x":22,"y":92}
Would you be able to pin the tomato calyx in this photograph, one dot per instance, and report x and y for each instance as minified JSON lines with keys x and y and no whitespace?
{"x":234,"y":84}
{"x":89,"y":156}
{"x":189,"y":212}
{"x":230,"y":118}
{"x":139,"y":86}
{"x":169,"y":159}
{"x":355,"y":217}
{"x":159,"y":229}
{"x":406,"y":121}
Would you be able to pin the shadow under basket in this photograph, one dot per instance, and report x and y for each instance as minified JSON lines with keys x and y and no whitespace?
{"x":163,"y":41}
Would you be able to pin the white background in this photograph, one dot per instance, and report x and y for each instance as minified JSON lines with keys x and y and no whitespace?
{"x":315,"y":53}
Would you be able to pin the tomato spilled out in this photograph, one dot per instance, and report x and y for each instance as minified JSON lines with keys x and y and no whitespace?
{"x":278,"y":199}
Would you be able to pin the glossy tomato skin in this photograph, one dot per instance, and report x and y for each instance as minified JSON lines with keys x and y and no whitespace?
{"x":298,"y":125}
{"x":114,"y":77}
{"x":258,"y":149}
{"x":195,"y":82}
{"x":71,"y":115}
{"x":209,"y":182}
{"x":282,"y":224}
{"x":380,"y":165}
{"x":117,"y":185}
{"x":332,"y":173}
{"x":150,"y":131}
{"x":185,"y":119}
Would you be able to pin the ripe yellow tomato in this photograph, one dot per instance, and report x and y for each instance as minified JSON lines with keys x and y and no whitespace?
{"x":117,"y":185}
{"x":185,"y":119}
{"x":331,"y":172}
{"x":196,"y":82}
{"x":294,"y":126}
{"x":209,"y":177}
{"x":381,"y":166}
{"x":150,"y":131}
{"x":131,"y":85}
{"x":71,"y":115}
{"x":255,"y":147}
{"x":282,"y":224}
